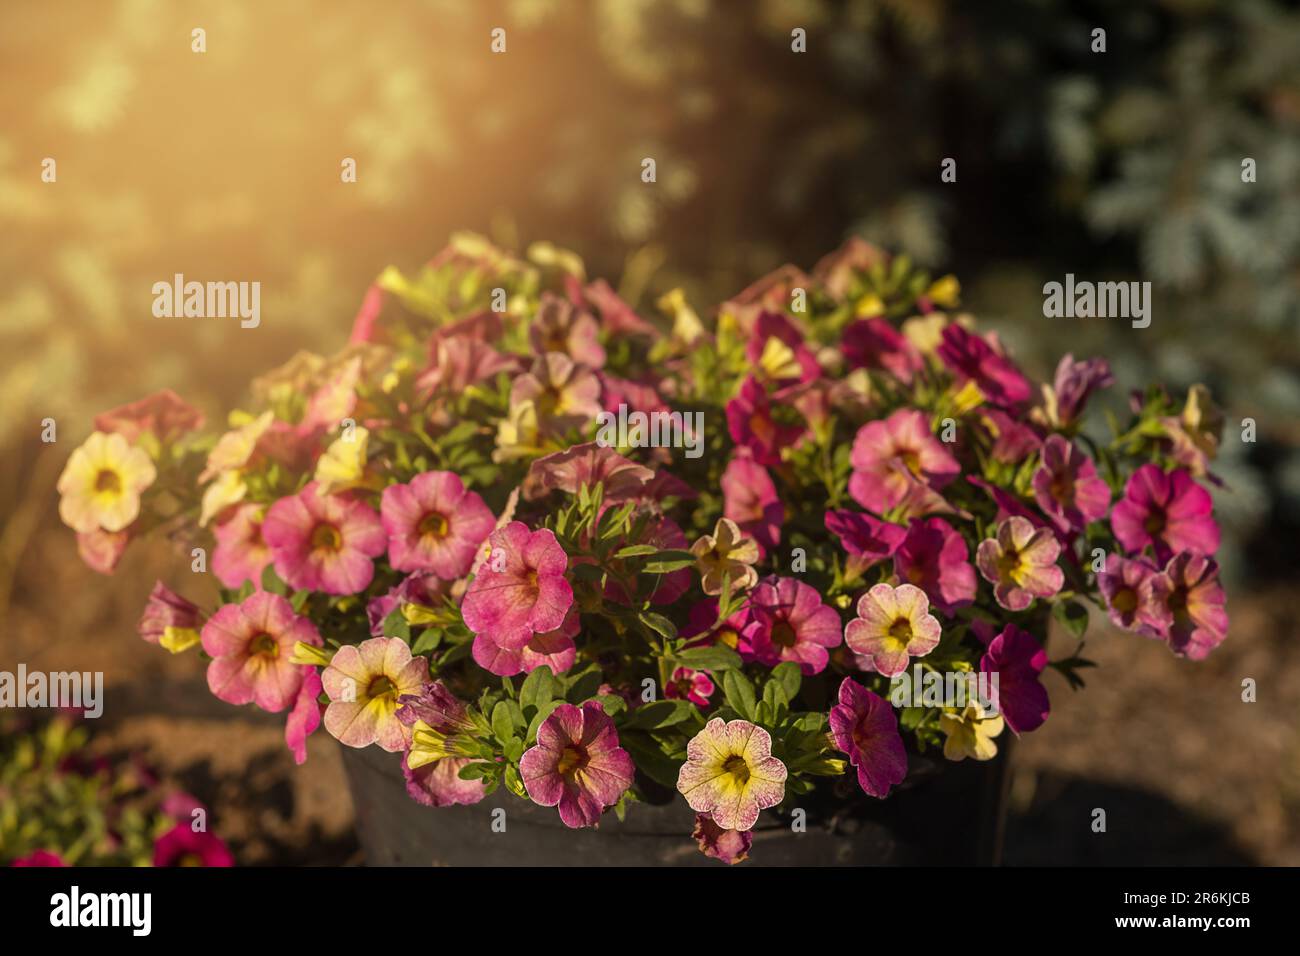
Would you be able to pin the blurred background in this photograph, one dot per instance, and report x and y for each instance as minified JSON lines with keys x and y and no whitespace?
{"x":224,"y":165}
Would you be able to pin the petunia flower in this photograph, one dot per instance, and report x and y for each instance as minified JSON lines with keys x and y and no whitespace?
{"x":431,"y":767}
{"x":703,"y":628}
{"x":1188,"y":590}
{"x":729,"y":846}
{"x":102,"y":550}
{"x":1126,"y":587}
{"x":577,"y":764}
{"x":182,"y":845}
{"x":559,"y":326}
{"x":586,"y":464}
{"x":234,"y":450}
{"x":566,"y":395}
{"x":730,"y":773}
{"x":556,"y":649}
{"x":970,"y":733}
{"x":875,"y":343}
{"x":439,"y":784}
{"x":878,"y":483}
{"x":867,"y":539}
{"x":1013,"y":440}
{"x":163,"y":415}
{"x":420,"y":590}
{"x":1020,"y":563}
{"x":305,"y":716}
{"x":1167,"y":512}
{"x":687,"y":684}
{"x":1074,"y":383}
{"x":726,"y":552}
{"x":1194,"y":435}
{"x":894,"y":624}
{"x":777,"y":351}
{"x":863,"y":726}
{"x":343,"y":465}
{"x":101,"y":484}
{"x":789,"y":622}
{"x":750,"y":499}
{"x":1019,"y":696}
{"x":434,"y":524}
{"x":971,"y":358}
{"x":250,"y":644}
{"x":934,"y":557}
{"x":323,"y":542}
{"x":170,"y":620}
{"x":1067,"y":487}
{"x":364,"y":682}
{"x":241,"y":554}
{"x":751,"y":425}
{"x":521,"y":589}
{"x":39,"y":858}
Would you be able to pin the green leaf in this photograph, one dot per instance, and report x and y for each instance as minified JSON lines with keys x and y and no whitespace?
{"x":717,"y":657}
{"x":539,"y":688}
{"x":505,"y":718}
{"x":775,"y":698}
{"x":662,"y":713}
{"x":396,"y":624}
{"x":299,"y":600}
{"x":585,"y":687}
{"x":790,"y":677}
{"x":739,"y":693}
{"x":271,"y":582}
{"x":636,"y":551}
{"x":428,"y":640}
{"x":666,"y":562}
{"x":543,"y":712}
{"x":659,"y":624}
{"x":1073,"y":616}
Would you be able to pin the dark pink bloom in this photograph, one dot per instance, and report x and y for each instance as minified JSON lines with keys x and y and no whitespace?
{"x":520,"y":590}
{"x":587,"y":464}
{"x":1075,"y":382}
{"x":182,"y":846}
{"x":1017,"y":659}
{"x":305,"y":716}
{"x":434,"y":524}
{"x":616,"y":316}
{"x":1189,"y":591}
{"x":1008,"y":504}
{"x":241,"y":554}
{"x":421,"y":588}
{"x":789,"y":622}
{"x":165,"y":609}
{"x":729,"y":846}
{"x":863,"y":726}
{"x":39,"y":858}
{"x":165,"y":415}
{"x":559,"y":326}
{"x":750,"y":499}
{"x":775,"y":325}
{"x":1168,"y":512}
{"x":751,"y":425}
{"x":439,"y":784}
{"x":875,"y":343}
{"x":729,"y":633}
{"x":867,"y":539}
{"x":1013,"y":441}
{"x":934,"y":557}
{"x":577,"y":764}
{"x":1067,"y":488}
{"x":324,"y":542}
{"x":459,"y":361}
{"x":1126,"y":587}
{"x":692,"y":685}
{"x":555,"y":649}
{"x":971,"y":358}
{"x":250,"y":645}
{"x":886,"y":452}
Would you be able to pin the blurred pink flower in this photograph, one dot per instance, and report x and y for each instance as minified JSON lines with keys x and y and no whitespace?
{"x":324,"y":542}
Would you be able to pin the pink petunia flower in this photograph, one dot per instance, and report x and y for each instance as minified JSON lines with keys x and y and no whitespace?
{"x":1013,"y":440}
{"x":1126,"y":587}
{"x":587,"y":464}
{"x":863,"y":726}
{"x":1067,"y":488}
{"x":421,"y":589}
{"x":577,"y":764}
{"x":182,"y":845}
{"x":241,"y":553}
{"x":934,"y":557}
{"x":750,"y":499}
{"x":39,"y":858}
{"x":875,"y":343}
{"x":560,"y":327}
{"x":729,"y":846}
{"x":1020,"y":563}
{"x":971,"y":358}
{"x":776,"y":349}
{"x":867,"y":539}
{"x":305,"y":716}
{"x":751,"y":425}
{"x":520,"y":590}
{"x":364,"y":682}
{"x":695,"y":686}
{"x":251,"y":644}
{"x":164,"y":415}
{"x":730,"y":773}
{"x":789,"y":622}
{"x":1074,"y":383}
{"x":434,"y":524}
{"x":168,"y":610}
{"x":878,"y":483}
{"x":1020,"y":697}
{"x":1167,"y":512}
{"x":555,"y":649}
{"x":437,"y":782}
{"x":703,"y":628}
{"x":894,"y":624}
{"x":1189,"y":592}
{"x":324,"y":542}
{"x":102,"y":550}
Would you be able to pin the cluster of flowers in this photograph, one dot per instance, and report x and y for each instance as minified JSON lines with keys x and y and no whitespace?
{"x":65,"y":806}
{"x":421,"y":545}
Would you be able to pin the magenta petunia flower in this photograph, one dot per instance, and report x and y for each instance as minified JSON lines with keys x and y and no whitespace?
{"x":894,"y":624}
{"x":750,"y":499}
{"x":1013,"y":440}
{"x":324,"y":542}
{"x":730,"y":773}
{"x":776,"y":348}
{"x":1126,"y":587}
{"x":305,"y":716}
{"x":1189,"y":591}
{"x":1075,"y":382}
{"x":1167,"y":512}
{"x":241,"y":553}
{"x":437,"y":782}
{"x":434,"y":524}
{"x":183,"y":846}
{"x":971,"y":358}
{"x":878,"y":483}
{"x":875,"y":343}
{"x":789,"y":622}
{"x":863,"y":726}
{"x":695,"y":686}
{"x":39,"y":858}
{"x":422,"y":589}
{"x":520,"y":590}
{"x":166,"y":610}
{"x":1020,"y":697}
{"x":1020,"y":563}
{"x":934,"y":557}
{"x":555,"y":649}
{"x":751,"y":425}
{"x":251,"y":644}
{"x":1067,"y":488}
{"x":700,"y":628}
{"x":729,"y":846}
{"x":867,"y":539}
{"x":577,"y":764}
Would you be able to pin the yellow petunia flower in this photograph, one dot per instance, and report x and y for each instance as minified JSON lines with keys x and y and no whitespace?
{"x":102,"y":483}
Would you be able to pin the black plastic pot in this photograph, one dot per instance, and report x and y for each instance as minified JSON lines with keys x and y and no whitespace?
{"x":945,"y":813}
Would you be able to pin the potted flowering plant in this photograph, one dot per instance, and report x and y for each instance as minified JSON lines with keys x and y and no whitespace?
{"x":550,"y":558}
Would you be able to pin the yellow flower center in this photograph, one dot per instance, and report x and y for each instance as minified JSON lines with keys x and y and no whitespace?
{"x":108,"y":482}
{"x":326,"y":537}
{"x":912,"y":460}
{"x":381,"y":686}
{"x":572,"y":758}
{"x":1155,"y":522}
{"x":729,"y":637}
{"x":264,"y":645}
{"x":433,"y":525}
{"x":737,"y":767}
{"x":1010,"y":565}
{"x":783,"y":635}
{"x":901,"y":631}
{"x":1126,"y":601}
